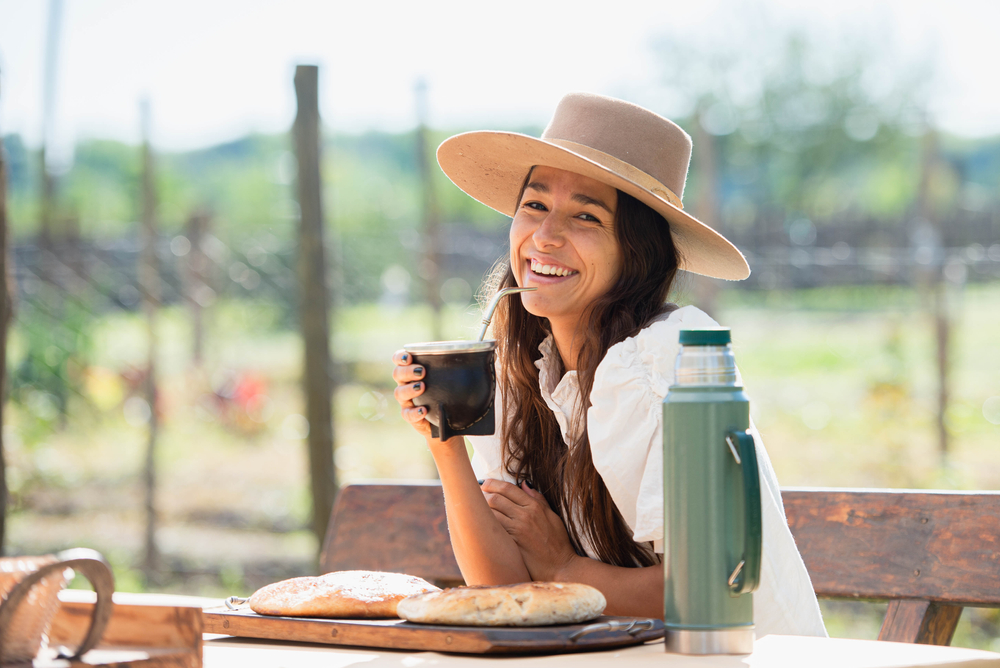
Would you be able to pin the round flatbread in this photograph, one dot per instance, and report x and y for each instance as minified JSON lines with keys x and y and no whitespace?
{"x":527,"y":604}
{"x":344,"y":594}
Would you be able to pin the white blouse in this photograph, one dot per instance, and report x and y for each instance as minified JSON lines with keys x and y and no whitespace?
{"x":629,"y":387}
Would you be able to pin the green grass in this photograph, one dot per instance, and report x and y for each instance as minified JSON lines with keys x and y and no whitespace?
{"x":848,"y":398}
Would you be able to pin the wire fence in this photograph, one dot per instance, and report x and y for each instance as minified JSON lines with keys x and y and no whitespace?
{"x":62,"y":286}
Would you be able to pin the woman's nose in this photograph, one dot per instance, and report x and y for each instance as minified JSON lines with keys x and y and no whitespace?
{"x":549,"y":232}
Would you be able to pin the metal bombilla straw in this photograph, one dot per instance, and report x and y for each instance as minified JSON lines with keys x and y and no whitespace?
{"x":492,"y":306}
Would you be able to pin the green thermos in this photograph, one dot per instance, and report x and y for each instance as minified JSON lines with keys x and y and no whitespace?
{"x":711,"y":501}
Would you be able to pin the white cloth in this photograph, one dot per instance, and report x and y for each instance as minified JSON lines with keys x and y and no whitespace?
{"x":625,"y":427}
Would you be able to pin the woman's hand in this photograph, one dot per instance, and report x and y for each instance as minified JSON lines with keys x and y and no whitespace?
{"x":409,"y":384}
{"x":538,"y":532}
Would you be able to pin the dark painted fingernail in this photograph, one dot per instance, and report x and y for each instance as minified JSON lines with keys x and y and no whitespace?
{"x":422,"y":410}
{"x":405,"y":358}
{"x":481,"y":481}
{"x":418,"y":371}
{"x":418,"y":386}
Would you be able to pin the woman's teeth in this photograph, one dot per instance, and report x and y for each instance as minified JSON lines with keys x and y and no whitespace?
{"x":549,"y":270}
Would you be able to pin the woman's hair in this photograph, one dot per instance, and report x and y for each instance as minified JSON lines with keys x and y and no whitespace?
{"x":533,"y":448}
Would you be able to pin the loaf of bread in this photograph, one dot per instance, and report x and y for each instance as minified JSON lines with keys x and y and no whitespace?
{"x":342,"y":594}
{"x":527,"y":604}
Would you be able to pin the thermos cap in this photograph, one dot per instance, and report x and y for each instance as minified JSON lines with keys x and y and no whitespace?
{"x":706,"y":359}
{"x":718,"y":336}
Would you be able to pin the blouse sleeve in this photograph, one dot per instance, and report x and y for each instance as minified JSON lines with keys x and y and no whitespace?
{"x":486,"y":460}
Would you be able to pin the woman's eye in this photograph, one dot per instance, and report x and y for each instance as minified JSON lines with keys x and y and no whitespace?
{"x":538,"y":206}
{"x":589,"y":218}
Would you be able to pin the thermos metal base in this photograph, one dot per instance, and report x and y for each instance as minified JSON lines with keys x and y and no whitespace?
{"x":737,"y":640}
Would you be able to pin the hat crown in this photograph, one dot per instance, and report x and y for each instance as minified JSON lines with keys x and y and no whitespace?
{"x":627,"y":132}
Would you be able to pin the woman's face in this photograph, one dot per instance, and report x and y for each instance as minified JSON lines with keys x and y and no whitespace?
{"x":562,"y":241}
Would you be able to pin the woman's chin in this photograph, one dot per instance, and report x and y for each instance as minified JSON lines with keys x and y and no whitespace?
{"x":540,"y":307}
{"x":533,"y":305}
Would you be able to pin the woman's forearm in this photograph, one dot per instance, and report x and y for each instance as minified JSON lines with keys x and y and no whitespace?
{"x":632,"y":592}
{"x":484,"y":550}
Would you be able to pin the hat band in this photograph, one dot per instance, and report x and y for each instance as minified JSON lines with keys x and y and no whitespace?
{"x":622,"y":168}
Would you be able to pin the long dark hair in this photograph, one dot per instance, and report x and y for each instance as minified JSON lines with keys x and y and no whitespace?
{"x":533,"y":448}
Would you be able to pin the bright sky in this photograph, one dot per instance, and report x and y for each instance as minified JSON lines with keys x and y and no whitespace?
{"x":216,"y":69}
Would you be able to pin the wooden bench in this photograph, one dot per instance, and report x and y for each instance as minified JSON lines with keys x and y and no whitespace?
{"x":927,"y":553}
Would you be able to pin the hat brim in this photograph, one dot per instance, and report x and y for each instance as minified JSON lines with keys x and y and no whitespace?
{"x":491,"y":167}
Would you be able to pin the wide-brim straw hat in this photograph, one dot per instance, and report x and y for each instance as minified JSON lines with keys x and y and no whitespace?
{"x":613,"y":141}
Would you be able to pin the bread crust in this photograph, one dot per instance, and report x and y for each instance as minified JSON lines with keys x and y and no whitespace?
{"x":341,"y":594}
{"x":526,"y":604}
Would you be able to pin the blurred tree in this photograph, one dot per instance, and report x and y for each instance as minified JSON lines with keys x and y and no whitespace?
{"x":802,"y":126}
{"x":49,"y":370}
{"x":812,"y":132}
{"x":246,"y":182}
{"x":101,"y":187}
{"x":765,"y":183}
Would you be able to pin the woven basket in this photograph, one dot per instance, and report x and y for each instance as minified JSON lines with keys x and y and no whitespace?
{"x":29,"y":599}
{"x":23,"y":638}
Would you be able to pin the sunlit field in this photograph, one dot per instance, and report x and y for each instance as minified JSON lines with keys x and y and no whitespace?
{"x":842,"y":381}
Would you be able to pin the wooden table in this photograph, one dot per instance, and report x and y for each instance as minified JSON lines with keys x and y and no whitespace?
{"x":770,"y":652}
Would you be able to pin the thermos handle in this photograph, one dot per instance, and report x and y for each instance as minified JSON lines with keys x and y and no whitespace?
{"x":746,"y":576}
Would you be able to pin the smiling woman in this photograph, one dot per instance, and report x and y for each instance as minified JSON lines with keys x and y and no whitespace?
{"x":573,"y":485}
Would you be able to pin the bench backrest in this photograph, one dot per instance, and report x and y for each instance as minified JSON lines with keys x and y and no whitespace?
{"x":868,"y":544}
{"x":391,"y":527}
{"x":929,"y":553}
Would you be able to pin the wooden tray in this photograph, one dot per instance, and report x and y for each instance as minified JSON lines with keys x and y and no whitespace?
{"x":602,"y":633}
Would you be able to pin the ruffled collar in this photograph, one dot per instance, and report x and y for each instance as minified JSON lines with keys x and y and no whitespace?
{"x":561,"y":395}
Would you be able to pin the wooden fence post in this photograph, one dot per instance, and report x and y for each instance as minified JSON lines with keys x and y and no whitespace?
{"x":933,"y":283}
{"x":149,"y":284}
{"x":318,"y":380}
{"x":430,"y":269}
{"x":196,"y":282}
{"x":706,"y":289}
{"x":6,"y":313}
